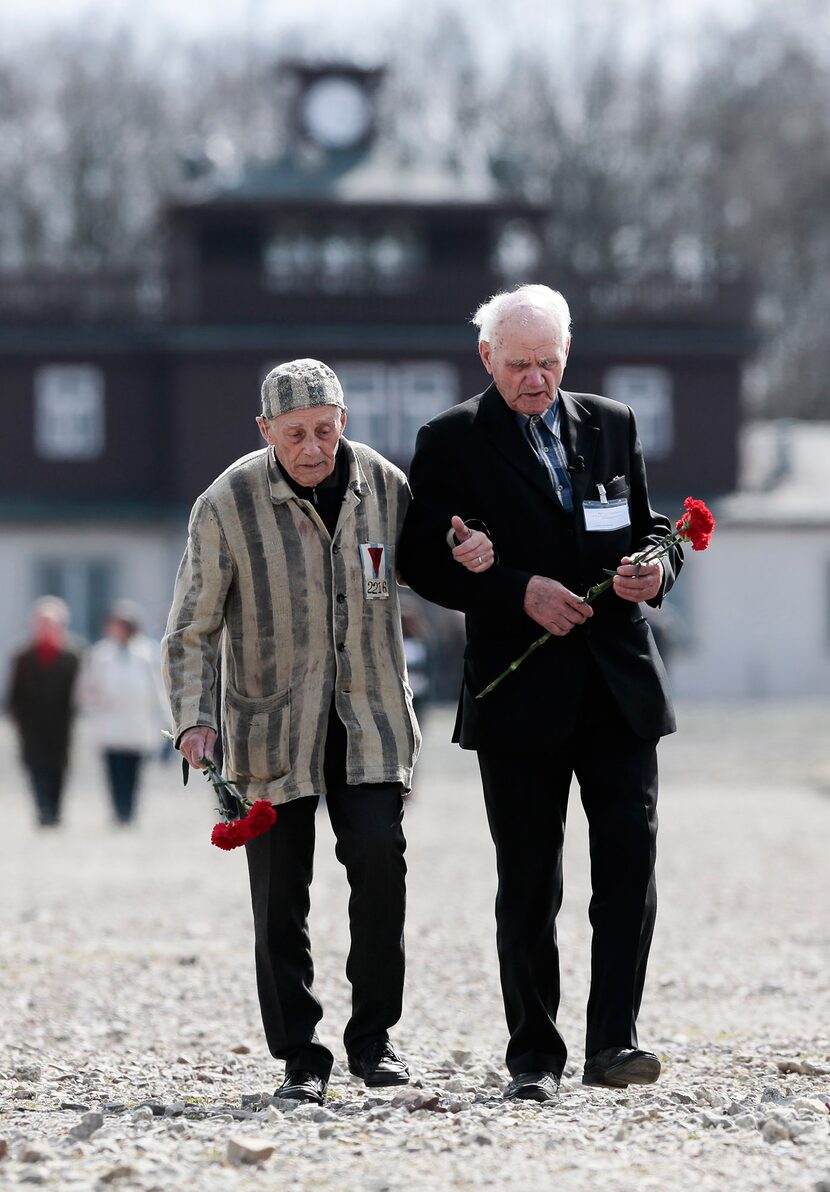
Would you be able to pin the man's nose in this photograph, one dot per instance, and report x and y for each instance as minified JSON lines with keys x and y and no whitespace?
{"x":535,"y":377}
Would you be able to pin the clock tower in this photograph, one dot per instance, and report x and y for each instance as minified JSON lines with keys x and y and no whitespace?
{"x":334,"y":105}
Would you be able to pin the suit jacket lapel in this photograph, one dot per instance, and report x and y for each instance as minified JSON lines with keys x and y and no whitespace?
{"x":498,"y":423}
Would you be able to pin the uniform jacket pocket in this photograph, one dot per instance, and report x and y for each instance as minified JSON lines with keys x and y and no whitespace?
{"x":257,"y":734}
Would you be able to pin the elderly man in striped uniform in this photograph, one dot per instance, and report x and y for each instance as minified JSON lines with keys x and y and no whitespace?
{"x":291,"y":552}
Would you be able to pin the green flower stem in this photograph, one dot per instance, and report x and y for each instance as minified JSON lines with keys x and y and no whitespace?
{"x":657,"y":551}
{"x":220,"y":784}
{"x":540,"y":641}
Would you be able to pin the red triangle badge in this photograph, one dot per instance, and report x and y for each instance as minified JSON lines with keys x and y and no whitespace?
{"x":376,"y":554}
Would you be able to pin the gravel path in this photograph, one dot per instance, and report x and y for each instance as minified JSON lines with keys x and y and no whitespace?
{"x":132,"y":1050}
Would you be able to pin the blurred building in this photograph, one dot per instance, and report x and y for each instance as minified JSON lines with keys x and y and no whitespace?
{"x":123,"y":398}
{"x":757,"y":604}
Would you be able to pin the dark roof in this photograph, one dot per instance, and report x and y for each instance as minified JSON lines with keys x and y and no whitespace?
{"x":643,"y":338}
{"x":295,"y":175}
{"x":374,"y":175}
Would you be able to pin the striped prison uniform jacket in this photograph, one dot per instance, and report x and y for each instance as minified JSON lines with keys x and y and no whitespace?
{"x":302,"y":618}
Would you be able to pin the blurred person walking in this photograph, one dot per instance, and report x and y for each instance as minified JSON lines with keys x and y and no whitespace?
{"x":41,"y":704}
{"x":121,"y":692}
{"x":291,"y":562}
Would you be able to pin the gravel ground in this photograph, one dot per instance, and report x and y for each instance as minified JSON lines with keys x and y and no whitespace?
{"x":132,"y":1050}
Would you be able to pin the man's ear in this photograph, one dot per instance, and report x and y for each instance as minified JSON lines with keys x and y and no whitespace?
{"x":343,"y":420}
{"x":264,"y":428}
{"x":485,"y":353}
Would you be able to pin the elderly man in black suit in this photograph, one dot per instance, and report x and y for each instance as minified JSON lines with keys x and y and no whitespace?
{"x":559,"y":483}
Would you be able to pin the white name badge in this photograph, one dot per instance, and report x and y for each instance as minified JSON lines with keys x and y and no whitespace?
{"x":375,"y":575}
{"x":606,"y":515}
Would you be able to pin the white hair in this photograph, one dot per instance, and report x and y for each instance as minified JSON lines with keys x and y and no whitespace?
{"x":53,"y":609}
{"x":492,"y":313}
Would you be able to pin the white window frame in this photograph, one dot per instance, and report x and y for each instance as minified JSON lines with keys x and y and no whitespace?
{"x":69,"y":422}
{"x":366,"y":390}
{"x":86,"y":582}
{"x":388,"y":403}
{"x":413,"y":396}
{"x":649,"y":390}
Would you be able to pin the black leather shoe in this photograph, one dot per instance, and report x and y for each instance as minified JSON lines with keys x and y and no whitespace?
{"x":618,"y":1067}
{"x":379,"y":1064}
{"x":533,"y":1086}
{"x":302,"y":1086}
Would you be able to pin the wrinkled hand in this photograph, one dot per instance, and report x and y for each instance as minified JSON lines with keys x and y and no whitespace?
{"x":638,"y":581}
{"x":197,"y":743}
{"x":474,"y":550}
{"x":553,"y":607}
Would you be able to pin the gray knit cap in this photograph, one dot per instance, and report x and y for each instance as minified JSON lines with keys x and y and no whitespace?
{"x":299,"y":385}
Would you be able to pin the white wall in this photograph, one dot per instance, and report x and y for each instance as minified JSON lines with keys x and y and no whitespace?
{"x":145,"y":558}
{"x":759,"y":614}
{"x":758,"y":600}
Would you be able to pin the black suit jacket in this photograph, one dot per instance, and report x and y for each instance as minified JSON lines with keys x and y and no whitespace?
{"x":41,"y":704}
{"x":475,"y":461}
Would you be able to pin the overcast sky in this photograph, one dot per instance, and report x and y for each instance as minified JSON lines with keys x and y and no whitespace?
{"x":348,"y":25}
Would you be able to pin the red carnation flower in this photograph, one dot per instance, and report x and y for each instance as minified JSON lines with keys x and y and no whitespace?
{"x":260,"y":818}
{"x":228,"y":836}
{"x":696,"y":524}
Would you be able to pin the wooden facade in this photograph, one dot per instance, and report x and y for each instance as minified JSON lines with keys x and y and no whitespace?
{"x":123,"y":398}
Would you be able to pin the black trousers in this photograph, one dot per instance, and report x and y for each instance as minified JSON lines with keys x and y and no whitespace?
{"x":367,"y":823}
{"x":47,"y":787}
{"x":123,"y":768}
{"x":526,"y":795}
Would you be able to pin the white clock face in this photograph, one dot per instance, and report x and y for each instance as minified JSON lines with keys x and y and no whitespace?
{"x":337,"y":112}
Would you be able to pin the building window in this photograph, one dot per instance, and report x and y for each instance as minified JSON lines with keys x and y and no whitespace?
{"x":389,"y":403}
{"x":87,"y":586}
{"x":648,"y":390}
{"x":517,"y":250}
{"x":423,"y":390}
{"x":342,"y":258}
{"x":368,"y":401}
{"x":69,"y":411}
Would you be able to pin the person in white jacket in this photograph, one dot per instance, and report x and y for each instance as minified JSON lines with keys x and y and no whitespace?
{"x":122,"y":694}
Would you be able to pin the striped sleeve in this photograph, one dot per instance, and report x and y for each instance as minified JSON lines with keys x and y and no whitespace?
{"x":190,"y":645}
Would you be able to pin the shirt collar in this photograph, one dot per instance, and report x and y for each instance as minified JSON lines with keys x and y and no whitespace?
{"x":281,"y":490}
{"x":550,"y":417}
